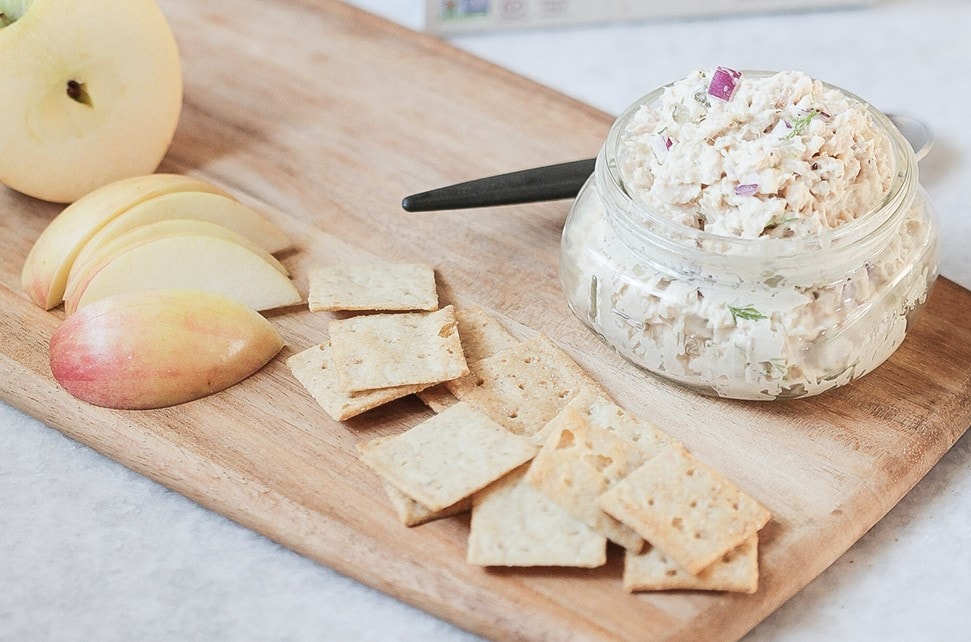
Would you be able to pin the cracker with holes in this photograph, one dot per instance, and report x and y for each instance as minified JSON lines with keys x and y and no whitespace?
{"x":601,"y":411}
{"x":448,"y":457}
{"x":386,"y":350}
{"x":314,"y":369}
{"x":438,"y":398}
{"x":606,"y":414}
{"x":410,"y":512}
{"x":482,"y":336}
{"x":515,"y":525}
{"x":380,"y":286}
{"x":578,"y":463}
{"x":736,"y":571}
{"x":522,"y":387}
{"x":688,"y":510}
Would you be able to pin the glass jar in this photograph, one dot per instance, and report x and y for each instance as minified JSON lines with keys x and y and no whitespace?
{"x":764,"y":318}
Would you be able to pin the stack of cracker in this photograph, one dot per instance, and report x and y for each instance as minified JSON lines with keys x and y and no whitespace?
{"x":376,"y":358}
{"x":551,"y":468}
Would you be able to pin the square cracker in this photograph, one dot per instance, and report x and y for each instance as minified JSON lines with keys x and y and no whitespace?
{"x":438,"y":398}
{"x":515,"y":525}
{"x":385,"y":350}
{"x":688,"y":510}
{"x":601,"y":411}
{"x":522,"y":387}
{"x":379,"y":286}
{"x":448,"y":457}
{"x":482,"y":336}
{"x":410,"y":512}
{"x":652,"y":570}
{"x":314,"y":369}
{"x":577,"y":464}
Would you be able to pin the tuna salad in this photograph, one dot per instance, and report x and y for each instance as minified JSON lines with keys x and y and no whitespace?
{"x":777,"y":156}
{"x":754,"y":237}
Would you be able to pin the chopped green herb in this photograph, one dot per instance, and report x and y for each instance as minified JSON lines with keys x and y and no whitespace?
{"x":748,"y":312}
{"x":776,"y":222}
{"x":594,"y":307}
{"x":628,"y":319}
{"x":799,"y":124}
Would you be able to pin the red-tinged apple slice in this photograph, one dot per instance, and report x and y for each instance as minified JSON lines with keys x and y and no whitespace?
{"x":202,"y":206}
{"x":189,"y":261}
{"x":47,"y":266}
{"x":90,"y":92}
{"x":169,"y":227}
{"x":158,"y":348}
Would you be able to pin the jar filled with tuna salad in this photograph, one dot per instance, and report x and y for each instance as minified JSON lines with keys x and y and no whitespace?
{"x":751,"y":235}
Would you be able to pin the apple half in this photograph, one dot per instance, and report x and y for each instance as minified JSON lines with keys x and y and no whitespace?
{"x":191,"y":261}
{"x":152,"y":349}
{"x":49,"y":262}
{"x":90,"y":92}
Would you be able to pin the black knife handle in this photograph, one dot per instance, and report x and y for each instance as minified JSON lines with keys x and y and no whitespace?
{"x":549,"y":183}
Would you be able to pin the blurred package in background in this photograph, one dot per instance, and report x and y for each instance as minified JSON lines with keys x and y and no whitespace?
{"x":456,"y":16}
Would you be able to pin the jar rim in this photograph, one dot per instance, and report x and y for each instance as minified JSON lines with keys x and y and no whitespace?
{"x":609,"y":178}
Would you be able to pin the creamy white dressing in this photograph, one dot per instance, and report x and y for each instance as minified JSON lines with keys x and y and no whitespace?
{"x":722,"y":312}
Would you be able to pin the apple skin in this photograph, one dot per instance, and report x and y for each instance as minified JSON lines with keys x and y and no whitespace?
{"x":121,"y":55}
{"x":152,"y":349}
{"x":49,"y":262}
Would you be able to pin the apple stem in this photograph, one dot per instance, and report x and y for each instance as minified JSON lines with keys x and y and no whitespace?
{"x":78,"y":92}
{"x":12,"y":10}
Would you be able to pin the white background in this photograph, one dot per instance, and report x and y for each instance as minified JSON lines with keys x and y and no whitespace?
{"x":90,"y":550}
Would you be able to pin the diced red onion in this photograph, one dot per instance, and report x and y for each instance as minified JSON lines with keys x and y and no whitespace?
{"x":668,"y":142}
{"x":723,"y":84}
{"x":747,"y":189}
{"x":659,"y":146}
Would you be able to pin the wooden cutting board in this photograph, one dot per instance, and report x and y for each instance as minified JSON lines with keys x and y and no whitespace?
{"x":323,"y":117}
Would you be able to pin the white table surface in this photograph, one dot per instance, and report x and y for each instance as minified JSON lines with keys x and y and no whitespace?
{"x":91,"y":551}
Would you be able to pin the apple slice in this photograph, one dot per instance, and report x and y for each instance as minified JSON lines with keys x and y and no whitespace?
{"x":213,"y":208}
{"x":49,"y":262}
{"x":90,"y":92}
{"x":189,"y":261}
{"x":170,"y":227}
{"x":151,"y":349}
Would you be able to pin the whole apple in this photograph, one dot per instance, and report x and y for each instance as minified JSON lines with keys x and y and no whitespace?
{"x":90,"y":90}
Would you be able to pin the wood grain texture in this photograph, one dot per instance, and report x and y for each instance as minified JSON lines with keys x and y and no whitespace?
{"x":323,"y":117}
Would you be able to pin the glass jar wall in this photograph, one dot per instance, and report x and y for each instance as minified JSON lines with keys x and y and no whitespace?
{"x":748,"y":318}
